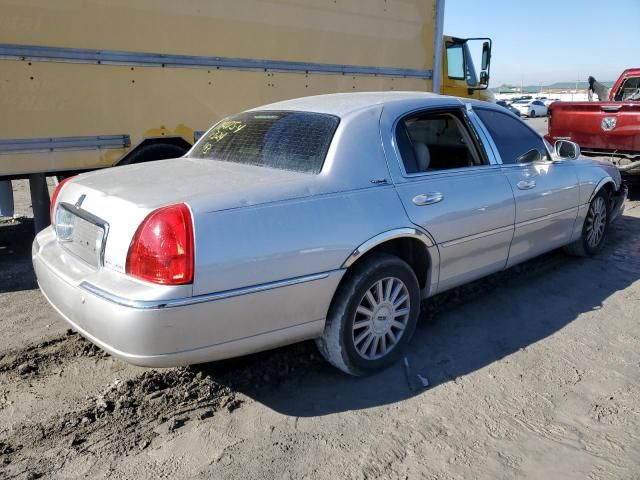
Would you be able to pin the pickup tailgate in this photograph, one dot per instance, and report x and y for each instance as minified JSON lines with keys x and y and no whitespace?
{"x":601,"y":126}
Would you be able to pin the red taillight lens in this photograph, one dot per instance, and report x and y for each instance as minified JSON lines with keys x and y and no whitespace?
{"x":162,"y":248}
{"x":54,"y":198}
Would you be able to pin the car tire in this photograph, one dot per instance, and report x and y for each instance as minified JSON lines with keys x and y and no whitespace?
{"x":367,"y":331}
{"x":594,"y":229}
{"x":532,"y":113}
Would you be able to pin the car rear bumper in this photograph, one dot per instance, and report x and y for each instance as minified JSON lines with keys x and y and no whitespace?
{"x":182,"y":331}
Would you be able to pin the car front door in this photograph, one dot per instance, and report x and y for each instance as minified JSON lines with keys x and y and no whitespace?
{"x":452,"y":189}
{"x":546,"y":192}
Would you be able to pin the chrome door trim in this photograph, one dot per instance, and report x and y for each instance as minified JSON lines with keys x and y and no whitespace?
{"x":546,"y":217}
{"x":209,"y":297}
{"x":148,"y":59}
{"x":487,"y":141}
{"x":394,"y":144}
{"x":476,"y":236}
{"x":385,"y":237}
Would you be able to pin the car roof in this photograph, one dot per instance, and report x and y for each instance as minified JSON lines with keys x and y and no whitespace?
{"x":344,"y":104}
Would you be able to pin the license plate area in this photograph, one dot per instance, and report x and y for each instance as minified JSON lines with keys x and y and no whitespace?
{"x":81,"y":233}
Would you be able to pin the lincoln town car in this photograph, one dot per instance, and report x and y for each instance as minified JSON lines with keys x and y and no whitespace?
{"x":330,"y":218}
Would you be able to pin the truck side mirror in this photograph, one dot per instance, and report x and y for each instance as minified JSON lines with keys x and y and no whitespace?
{"x":486,"y":56}
{"x":567,"y":150}
{"x":484,"y":79}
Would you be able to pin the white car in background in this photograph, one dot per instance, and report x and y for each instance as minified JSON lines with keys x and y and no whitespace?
{"x":549,"y":101}
{"x":530,"y":108}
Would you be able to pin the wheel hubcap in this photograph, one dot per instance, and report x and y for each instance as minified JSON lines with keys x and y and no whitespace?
{"x":381,"y":318}
{"x":596,"y":222}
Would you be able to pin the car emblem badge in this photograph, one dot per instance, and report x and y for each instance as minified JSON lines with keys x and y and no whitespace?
{"x":80,"y":200}
{"x":609,"y":123}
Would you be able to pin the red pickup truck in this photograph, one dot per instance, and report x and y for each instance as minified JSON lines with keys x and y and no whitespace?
{"x":607,"y":130}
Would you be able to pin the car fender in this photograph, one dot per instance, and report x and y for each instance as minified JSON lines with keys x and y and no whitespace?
{"x":412,"y":232}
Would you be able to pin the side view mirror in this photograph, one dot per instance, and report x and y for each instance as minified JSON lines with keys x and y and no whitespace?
{"x":486,"y":56}
{"x":484,"y":79}
{"x":481,"y":80}
{"x":567,"y":150}
{"x":531,"y":156}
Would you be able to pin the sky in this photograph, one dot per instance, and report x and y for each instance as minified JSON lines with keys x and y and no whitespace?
{"x":546,"y":41}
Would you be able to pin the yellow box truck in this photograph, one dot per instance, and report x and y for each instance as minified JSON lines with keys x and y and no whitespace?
{"x":87,"y":84}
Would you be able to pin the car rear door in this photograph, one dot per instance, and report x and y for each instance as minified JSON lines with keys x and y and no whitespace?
{"x":546,"y":192}
{"x":462,"y":199}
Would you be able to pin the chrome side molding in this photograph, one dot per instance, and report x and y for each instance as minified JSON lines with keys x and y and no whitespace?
{"x":207,"y":297}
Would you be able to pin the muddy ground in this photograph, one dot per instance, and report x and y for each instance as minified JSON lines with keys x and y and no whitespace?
{"x":534,"y":373}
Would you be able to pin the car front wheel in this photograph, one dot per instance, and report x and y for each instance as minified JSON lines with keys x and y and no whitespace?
{"x":594,"y":229}
{"x":372,"y":316}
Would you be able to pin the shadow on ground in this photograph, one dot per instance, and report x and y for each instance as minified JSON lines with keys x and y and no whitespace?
{"x":460,"y":332}
{"x":16,"y":270}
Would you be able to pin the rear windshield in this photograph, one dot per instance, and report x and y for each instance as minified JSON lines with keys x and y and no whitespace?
{"x":296,"y":141}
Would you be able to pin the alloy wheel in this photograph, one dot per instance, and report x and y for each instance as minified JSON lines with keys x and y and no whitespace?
{"x":596,"y":222}
{"x":381,"y":318}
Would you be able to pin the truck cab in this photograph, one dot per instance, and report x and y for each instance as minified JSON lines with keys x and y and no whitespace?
{"x":459,"y":75}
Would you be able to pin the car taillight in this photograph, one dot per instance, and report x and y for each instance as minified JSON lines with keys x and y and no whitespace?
{"x":162,"y":248}
{"x":54,"y":198}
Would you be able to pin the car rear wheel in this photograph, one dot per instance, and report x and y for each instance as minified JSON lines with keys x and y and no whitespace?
{"x":372,"y":316}
{"x":594,"y":229}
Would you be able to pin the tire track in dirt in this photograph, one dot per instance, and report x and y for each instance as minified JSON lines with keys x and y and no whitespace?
{"x":127,"y":416}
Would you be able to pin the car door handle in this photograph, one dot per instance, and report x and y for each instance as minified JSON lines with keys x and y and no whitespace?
{"x":526,"y":184}
{"x":428,"y":198}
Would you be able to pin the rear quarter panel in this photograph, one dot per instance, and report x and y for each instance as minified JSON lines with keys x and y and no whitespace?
{"x":251,"y":246}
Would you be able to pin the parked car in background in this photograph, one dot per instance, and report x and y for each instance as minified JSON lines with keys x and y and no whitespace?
{"x":509,"y":107}
{"x":610,"y":130}
{"x":530,"y":108}
{"x":327,"y":217}
{"x":521,"y":97}
{"x":549,"y":101}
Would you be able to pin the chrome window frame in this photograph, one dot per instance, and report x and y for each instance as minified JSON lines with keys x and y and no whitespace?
{"x":465,"y":109}
{"x":494,"y":147}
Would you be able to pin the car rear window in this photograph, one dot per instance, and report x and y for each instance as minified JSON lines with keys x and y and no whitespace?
{"x":296,"y":141}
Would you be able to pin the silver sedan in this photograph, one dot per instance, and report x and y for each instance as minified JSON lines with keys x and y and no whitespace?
{"x":327,"y":218}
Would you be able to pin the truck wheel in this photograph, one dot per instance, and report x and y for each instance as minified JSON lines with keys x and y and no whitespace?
{"x":157,"y":151}
{"x":372,"y":316}
{"x":594,"y":230}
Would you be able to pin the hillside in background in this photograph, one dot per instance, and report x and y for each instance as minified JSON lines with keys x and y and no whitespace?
{"x":552,"y":87}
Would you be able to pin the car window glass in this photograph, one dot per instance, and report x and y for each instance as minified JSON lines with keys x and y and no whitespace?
{"x":296,"y":141}
{"x":630,"y":90}
{"x":436,"y":141}
{"x":455,"y":61}
{"x":512,"y":136}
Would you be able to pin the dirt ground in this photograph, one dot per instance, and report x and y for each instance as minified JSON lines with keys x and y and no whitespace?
{"x":534,"y":373}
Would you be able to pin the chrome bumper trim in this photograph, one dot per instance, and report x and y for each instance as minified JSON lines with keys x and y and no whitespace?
{"x":207,"y":297}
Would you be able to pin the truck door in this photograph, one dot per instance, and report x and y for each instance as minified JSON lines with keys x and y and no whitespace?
{"x":450,"y":189}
